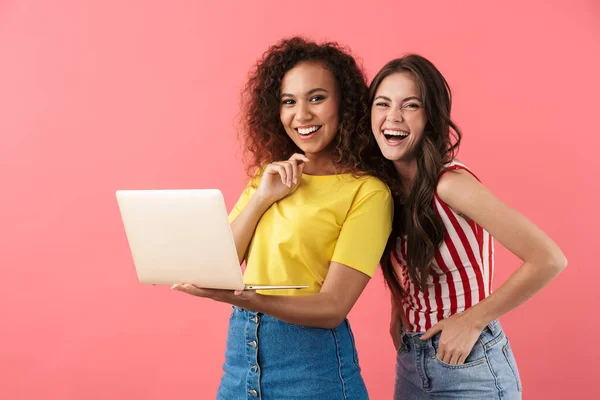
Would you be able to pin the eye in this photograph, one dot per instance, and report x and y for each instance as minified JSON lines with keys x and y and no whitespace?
{"x":412,"y":106}
{"x":317,"y":98}
{"x":288,"y":102}
{"x":381,"y":104}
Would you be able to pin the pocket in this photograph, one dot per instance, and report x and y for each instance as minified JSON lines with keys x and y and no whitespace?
{"x":476,"y":356}
{"x":510,"y":359}
{"x":470,"y":364}
{"x":489,"y":339}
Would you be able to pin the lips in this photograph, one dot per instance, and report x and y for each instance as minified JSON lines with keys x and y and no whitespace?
{"x":394,"y":136}
{"x":308,"y":130}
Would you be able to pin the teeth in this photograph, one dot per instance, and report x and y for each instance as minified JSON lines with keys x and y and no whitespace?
{"x":308,"y":131}
{"x":390,"y":132}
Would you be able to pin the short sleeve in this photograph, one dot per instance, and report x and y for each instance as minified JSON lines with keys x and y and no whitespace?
{"x":244,"y":198}
{"x":365,"y":232}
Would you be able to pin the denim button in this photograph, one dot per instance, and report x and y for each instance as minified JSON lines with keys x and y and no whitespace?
{"x":253,"y":392}
{"x":255,"y":368}
{"x":253,"y":344}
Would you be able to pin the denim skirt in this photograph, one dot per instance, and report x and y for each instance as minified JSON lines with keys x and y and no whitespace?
{"x":269,"y":359}
{"x":489,"y":372}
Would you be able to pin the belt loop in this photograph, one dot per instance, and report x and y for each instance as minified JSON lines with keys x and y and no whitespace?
{"x":494,"y":327}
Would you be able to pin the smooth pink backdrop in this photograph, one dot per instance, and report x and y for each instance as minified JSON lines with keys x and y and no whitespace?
{"x":101,"y":95}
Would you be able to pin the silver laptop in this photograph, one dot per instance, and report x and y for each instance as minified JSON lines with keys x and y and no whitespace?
{"x":182,"y":236}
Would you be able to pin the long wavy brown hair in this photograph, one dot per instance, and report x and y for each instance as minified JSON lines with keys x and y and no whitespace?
{"x":414,"y":216}
{"x":261,"y":128}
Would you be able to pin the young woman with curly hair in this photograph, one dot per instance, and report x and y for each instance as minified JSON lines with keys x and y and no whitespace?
{"x":439,"y":262}
{"x":313,"y":214}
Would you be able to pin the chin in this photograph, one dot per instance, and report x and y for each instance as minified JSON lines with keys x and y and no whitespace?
{"x":391,"y":156}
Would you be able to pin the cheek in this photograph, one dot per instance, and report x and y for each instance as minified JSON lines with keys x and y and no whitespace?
{"x":331,"y":115}
{"x":284,"y":117}
{"x":376,"y":120}
{"x":417,"y":123}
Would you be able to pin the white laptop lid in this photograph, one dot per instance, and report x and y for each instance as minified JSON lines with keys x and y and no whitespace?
{"x":180,"y":236}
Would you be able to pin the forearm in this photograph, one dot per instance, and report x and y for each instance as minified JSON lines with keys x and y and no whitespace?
{"x":321,"y":310}
{"x":523,"y":284}
{"x":244,"y":225}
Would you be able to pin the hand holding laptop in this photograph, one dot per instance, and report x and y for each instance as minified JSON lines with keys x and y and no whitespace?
{"x":237,"y":297}
{"x":183,"y":236}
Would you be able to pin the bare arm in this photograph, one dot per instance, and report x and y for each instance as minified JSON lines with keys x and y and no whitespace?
{"x":542,"y":258}
{"x":278,"y":180}
{"x":342,"y":285}
{"x":326,"y":309}
{"x":244,"y":225}
{"x":542,"y":261}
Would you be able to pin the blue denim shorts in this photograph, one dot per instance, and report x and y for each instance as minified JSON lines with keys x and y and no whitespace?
{"x":269,"y":359}
{"x":489,"y":372}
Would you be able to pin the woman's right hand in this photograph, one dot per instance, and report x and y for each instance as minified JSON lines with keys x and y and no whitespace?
{"x":280,"y":178}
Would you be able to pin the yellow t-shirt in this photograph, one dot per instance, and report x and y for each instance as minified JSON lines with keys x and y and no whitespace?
{"x":327,"y":218}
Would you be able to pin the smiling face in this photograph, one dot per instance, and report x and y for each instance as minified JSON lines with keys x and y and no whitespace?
{"x":309,"y":107}
{"x":398,"y":117}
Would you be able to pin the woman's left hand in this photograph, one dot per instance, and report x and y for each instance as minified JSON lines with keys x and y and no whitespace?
{"x":234,"y":297}
{"x":458,"y":337}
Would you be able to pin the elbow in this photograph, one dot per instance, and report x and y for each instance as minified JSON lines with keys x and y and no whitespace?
{"x":333,"y":312}
{"x":559,"y":262}
{"x":334,"y":319}
{"x":555,"y":261}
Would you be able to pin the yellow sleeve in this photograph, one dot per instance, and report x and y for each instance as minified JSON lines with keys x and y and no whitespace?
{"x":365,"y":232}
{"x":244,"y":198}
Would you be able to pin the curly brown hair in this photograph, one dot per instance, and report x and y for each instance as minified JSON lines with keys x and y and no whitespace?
{"x":264,"y":135}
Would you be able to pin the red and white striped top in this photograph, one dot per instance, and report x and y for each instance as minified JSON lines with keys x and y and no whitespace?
{"x":462,"y":269}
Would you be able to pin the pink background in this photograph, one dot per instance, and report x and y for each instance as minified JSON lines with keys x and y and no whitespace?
{"x":101,"y":95}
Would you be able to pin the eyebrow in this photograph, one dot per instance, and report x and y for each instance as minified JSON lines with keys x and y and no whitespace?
{"x":403,"y":100}
{"x":311,"y":91}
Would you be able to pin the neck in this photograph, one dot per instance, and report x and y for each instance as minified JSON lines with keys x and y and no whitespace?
{"x":407,"y":170}
{"x":320,"y":164}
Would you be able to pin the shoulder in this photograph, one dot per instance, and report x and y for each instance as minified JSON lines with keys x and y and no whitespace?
{"x":368,"y":184}
{"x":458,"y":187}
{"x":372,"y":191}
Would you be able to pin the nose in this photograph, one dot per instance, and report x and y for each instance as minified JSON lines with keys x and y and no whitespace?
{"x":394,"y":115}
{"x":303,"y":112}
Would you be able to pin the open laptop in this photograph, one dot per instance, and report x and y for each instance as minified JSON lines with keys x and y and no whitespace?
{"x":182,"y":236}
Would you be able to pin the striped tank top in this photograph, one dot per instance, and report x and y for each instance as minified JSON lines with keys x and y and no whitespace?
{"x":461,"y":274}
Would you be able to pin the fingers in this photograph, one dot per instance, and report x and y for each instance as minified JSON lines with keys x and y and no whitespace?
{"x":299,"y":157}
{"x":289,"y":173}
{"x":451,"y":356}
{"x":454,"y":358}
{"x":431,"y":332}
{"x":278,"y":168}
{"x":243,"y":294}
{"x":441,"y":354}
{"x":289,"y":170}
{"x":297,"y":160}
{"x":190,"y":289}
{"x":194,"y":290}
